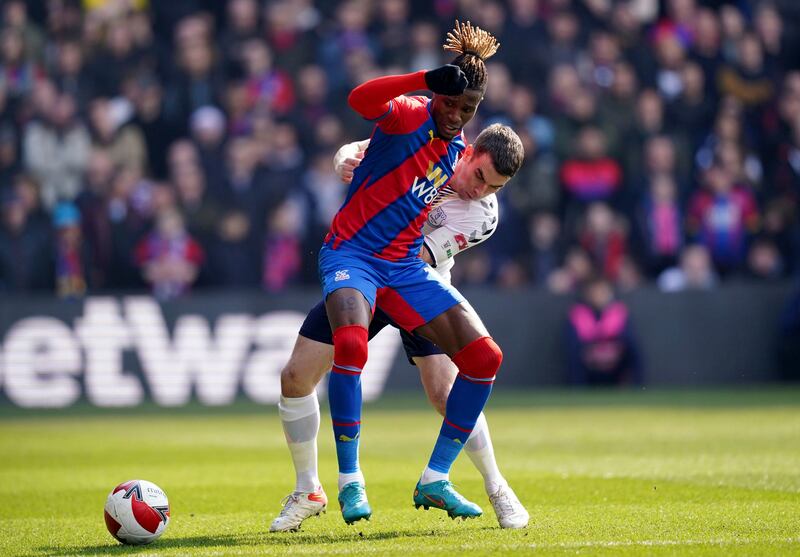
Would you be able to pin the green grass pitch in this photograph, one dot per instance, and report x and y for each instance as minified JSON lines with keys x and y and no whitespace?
{"x":703,"y":473}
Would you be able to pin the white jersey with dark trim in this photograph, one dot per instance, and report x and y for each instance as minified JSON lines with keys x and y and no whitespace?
{"x":458,"y":225}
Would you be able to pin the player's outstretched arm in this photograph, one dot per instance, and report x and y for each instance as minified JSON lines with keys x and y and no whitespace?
{"x":372,"y":99}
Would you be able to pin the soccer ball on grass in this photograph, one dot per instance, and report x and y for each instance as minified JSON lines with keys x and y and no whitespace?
{"x":136,"y":512}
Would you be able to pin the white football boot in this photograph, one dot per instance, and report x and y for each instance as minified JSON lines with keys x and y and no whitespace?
{"x":510,"y":512}
{"x":297,"y":507}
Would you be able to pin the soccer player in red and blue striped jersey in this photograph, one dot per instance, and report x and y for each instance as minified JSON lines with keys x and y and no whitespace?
{"x":371,"y":254}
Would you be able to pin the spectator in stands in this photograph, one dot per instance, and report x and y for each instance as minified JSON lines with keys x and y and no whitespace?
{"x":282,"y":247}
{"x":70,"y":73}
{"x":615,"y":106}
{"x":764,"y":261}
{"x":692,"y":109}
{"x":733,"y":28}
{"x":723,"y":216}
{"x":498,"y":92}
{"x":602,"y":57}
{"x":268,"y":87}
{"x":670,"y":54}
{"x":649,"y":122}
{"x":546,"y":249}
{"x":56,"y":150}
{"x":282,"y":164}
{"x":18,"y":75}
{"x":15,"y":16}
{"x":26,"y":249}
{"x":579,"y":110}
{"x":591,"y":175}
{"x":245,"y":187}
{"x":777,"y":44}
{"x":197,"y":81}
{"x":115,"y":58}
{"x":289,"y":32}
{"x":747,"y":80}
{"x":199,"y":208}
{"x":10,"y":164}
{"x":576,"y":269}
{"x":207,"y":126}
{"x":785,"y":170}
{"x":604,"y":238}
{"x":235,"y":252}
{"x":660,"y":159}
{"x":564,"y":33}
{"x":29,"y":193}
{"x":169,"y":259}
{"x":242,"y":25}
{"x":123,"y":142}
{"x":781,"y":227}
{"x":696,"y":272}
{"x":660,"y":224}
{"x":158,"y":132}
{"x":313,"y":103}
{"x":110,"y":227}
{"x":601,"y":349}
{"x":706,"y":47}
{"x":70,"y":251}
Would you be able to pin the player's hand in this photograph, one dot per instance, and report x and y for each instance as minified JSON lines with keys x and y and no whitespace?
{"x":447,"y":80}
{"x":347,"y":167}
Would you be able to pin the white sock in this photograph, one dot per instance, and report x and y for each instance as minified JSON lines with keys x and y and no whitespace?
{"x":300,"y":419}
{"x":429,"y":476}
{"x":350,"y":477}
{"x":481,"y":452}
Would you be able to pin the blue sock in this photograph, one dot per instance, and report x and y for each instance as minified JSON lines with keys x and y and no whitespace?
{"x":344,"y":396}
{"x":464,"y":406}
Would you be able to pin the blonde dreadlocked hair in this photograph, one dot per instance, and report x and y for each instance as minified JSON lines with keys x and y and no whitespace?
{"x":474,"y":46}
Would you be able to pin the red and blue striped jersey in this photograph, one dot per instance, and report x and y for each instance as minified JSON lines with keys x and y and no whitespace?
{"x":394,"y":187}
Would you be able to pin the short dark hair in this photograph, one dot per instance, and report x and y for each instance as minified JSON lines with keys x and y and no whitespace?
{"x":504,"y":146}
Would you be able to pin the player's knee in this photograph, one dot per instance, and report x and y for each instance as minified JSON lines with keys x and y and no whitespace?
{"x":438,"y":398}
{"x":350,"y":346}
{"x":479,"y":359}
{"x":296,"y":382}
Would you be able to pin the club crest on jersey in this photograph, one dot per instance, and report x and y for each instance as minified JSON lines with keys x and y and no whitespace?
{"x":341,"y":275}
{"x":426,"y":188}
{"x":437,"y":217}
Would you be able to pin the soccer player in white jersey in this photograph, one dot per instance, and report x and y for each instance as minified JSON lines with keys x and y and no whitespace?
{"x":450,"y":229}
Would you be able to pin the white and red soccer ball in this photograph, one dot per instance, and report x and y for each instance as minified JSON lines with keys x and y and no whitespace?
{"x":137,"y":512}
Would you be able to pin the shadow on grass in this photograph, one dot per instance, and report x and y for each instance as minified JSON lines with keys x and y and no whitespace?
{"x":266,"y":539}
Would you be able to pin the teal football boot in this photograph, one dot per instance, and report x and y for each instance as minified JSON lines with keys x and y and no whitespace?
{"x":442,"y":495}
{"x":354,"y":504}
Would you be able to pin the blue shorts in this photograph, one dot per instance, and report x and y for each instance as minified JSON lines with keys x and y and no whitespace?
{"x":316,"y":327}
{"x":411,"y":293}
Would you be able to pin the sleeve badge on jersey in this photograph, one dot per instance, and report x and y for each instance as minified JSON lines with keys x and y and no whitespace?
{"x":341,"y":275}
{"x":437,"y":217}
{"x":461,"y":241}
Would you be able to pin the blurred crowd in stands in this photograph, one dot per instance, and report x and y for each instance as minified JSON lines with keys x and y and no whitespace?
{"x":187,"y":144}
